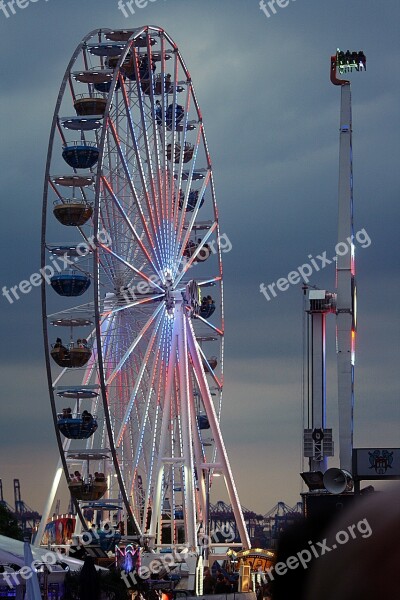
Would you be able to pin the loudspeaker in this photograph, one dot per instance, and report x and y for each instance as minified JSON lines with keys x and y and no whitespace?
{"x":337,"y":481}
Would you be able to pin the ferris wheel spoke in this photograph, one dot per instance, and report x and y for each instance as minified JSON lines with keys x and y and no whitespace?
{"x":167,"y":169}
{"x":179,"y":222}
{"x":132,"y":268}
{"x":181,"y":244}
{"x":209,"y":368}
{"x":136,"y":197}
{"x":162,"y":131}
{"x":209,"y":324}
{"x":216,"y":431}
{"x":158,"y":165}
{"x":151,"y":470}
{"x":208,"y":281}
{"x":134,"y":344}
{"x":145,"y":416}
{"x":144,"y":301}
{"x":179,"y":172}
{"x":129,"y":224}
{"x":173,"y":135}
{"x":152,"y":451}
{"x":186,"y":432}
{"x":191,"y":260}
{"x":139,"y":379}
{"x":150,"y":180}
{"x":200,"y":459}
{"x":163,"y":435}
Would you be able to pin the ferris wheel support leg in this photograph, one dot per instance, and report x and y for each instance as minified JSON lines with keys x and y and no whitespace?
{"x":199,"y":459}
{"x":186,"y":417}
{"x":49,"y":504}
{"x":163,"y":438}
{"x":216,"y":431}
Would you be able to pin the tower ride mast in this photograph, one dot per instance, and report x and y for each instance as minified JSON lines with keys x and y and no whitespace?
{"x":345,"y":265}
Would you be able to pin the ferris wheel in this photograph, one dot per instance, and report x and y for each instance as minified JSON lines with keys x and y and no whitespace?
{"x":133,"y":315}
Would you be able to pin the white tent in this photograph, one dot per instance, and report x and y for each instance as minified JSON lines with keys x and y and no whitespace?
{"x":32,"y":584}
{"x":13,"y":560}
{"x":14,"y":549}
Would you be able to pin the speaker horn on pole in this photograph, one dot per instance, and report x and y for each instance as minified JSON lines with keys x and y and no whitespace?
{"x":337,"y":481}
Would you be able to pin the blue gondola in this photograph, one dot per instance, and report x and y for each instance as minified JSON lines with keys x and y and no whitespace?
{"x":77,"y":427}
{"x":179,"y":113}
{"x":127,"y":68}
{"x":104,"y":87}
{"x":106,"y":540}
{"x":192,"y":201}
{"x":80,"y":157}
{"x":203,"y":422}
{"x":71,"y":284}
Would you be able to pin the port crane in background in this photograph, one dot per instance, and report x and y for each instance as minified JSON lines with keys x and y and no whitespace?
{"x":26,"y":517}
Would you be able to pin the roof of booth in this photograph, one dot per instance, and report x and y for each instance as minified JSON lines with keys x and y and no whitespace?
{"x":12,"y":551}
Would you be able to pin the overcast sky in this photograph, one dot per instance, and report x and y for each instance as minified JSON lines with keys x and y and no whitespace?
{"x":272,"y":119}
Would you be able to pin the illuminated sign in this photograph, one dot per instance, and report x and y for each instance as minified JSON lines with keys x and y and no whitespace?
{"x":255,"y":558}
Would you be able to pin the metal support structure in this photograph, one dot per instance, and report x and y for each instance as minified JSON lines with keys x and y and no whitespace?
{"x":49,"y":503}
{"x":343,"y":303}
{"x":345,"y":284}
{"x":318,"y":333}
{"x":317,"y":439}
{"x":216,"y":431}
{"x":183,"y":349}
{"x":154,"y":377}
{"x":186,"y":425}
